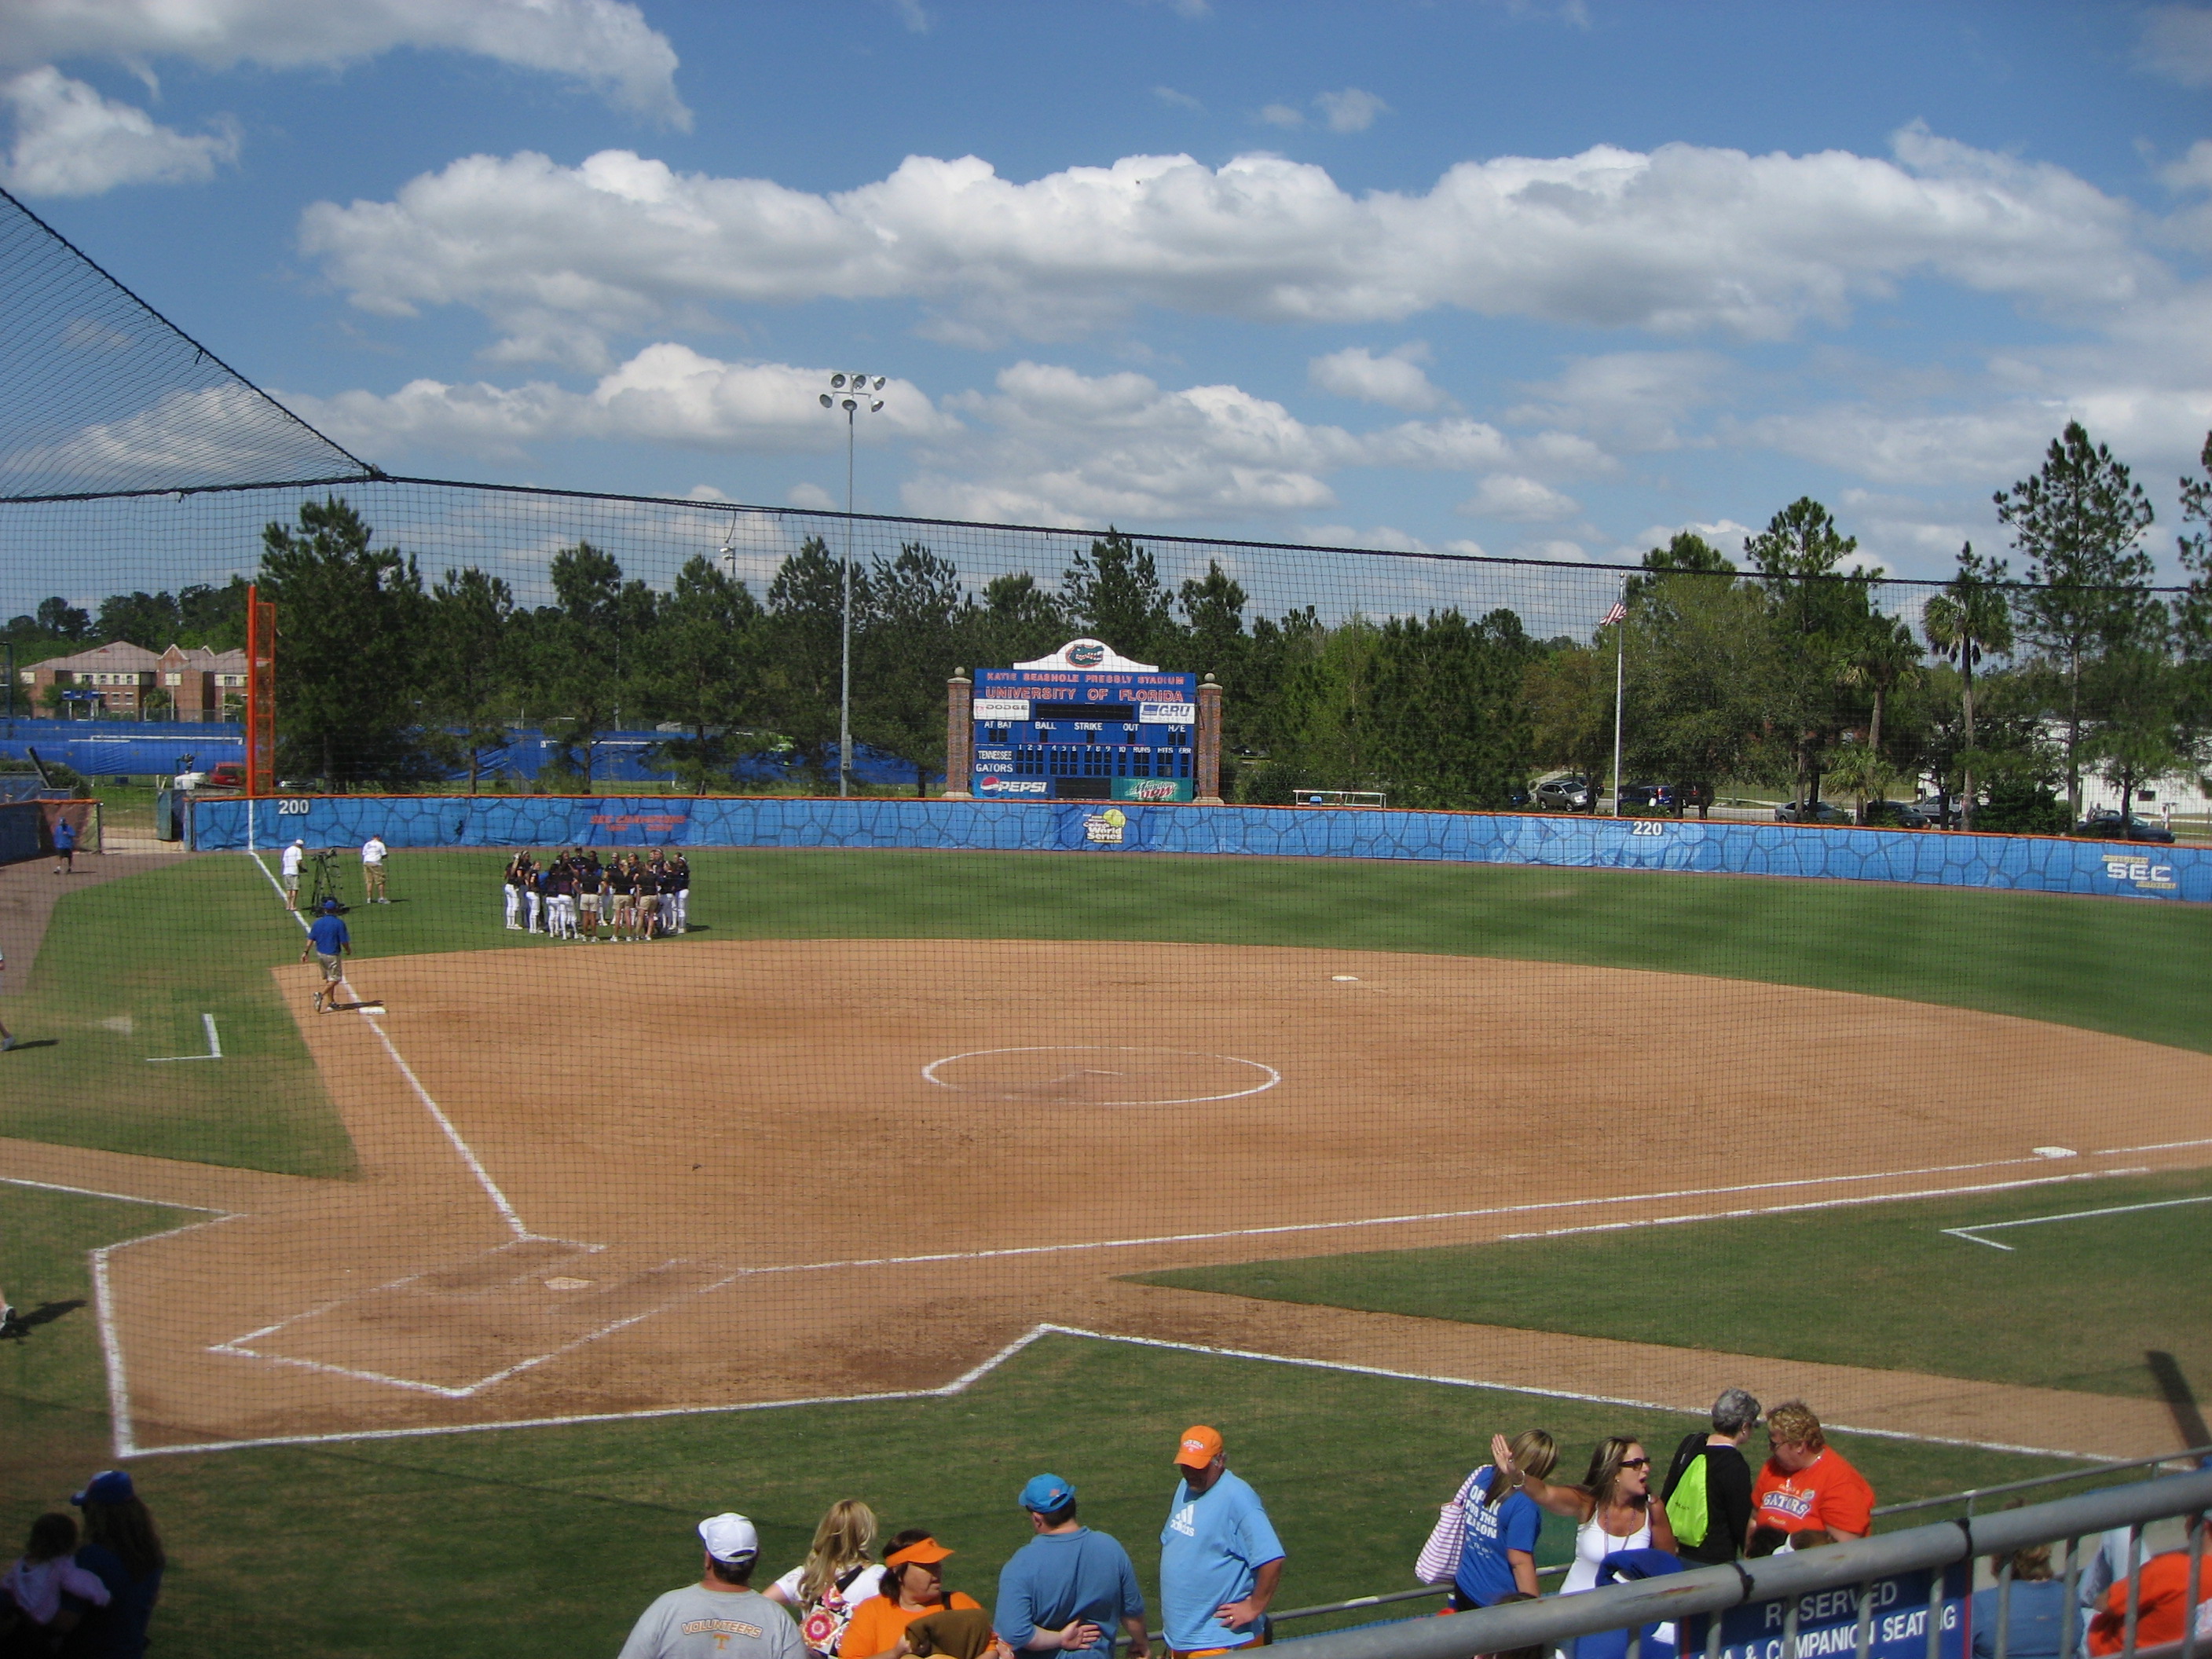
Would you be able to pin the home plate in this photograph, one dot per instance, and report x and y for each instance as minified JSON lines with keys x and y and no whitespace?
{"x":468,"y":1324}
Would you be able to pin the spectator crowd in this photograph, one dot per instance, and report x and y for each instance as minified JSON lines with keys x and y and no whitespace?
{"x":87,"y":1590}
{"x":1072,"y":1590}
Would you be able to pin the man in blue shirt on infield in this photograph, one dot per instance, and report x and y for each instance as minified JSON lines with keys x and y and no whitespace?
{"x":327,"y":942}
{"x":1068,"y":1587}
{"x":1219,"y":1557}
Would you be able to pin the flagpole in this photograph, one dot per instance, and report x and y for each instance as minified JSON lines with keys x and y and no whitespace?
{"x":1619,"y":685}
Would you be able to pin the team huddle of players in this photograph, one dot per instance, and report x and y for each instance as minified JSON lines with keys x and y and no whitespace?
{"x":576,"y":897}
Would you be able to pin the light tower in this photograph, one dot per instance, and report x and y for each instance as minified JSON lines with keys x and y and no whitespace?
{"x":852,"y":394}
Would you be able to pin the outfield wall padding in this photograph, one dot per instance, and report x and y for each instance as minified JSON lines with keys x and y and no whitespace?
{"x":2003,"y":863}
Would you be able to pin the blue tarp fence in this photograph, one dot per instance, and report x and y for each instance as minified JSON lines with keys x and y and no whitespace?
{"x":123,"y":749}
{"x":2005,"y":863}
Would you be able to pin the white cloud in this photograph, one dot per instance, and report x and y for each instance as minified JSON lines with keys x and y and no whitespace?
{"x":2176,"y":43}
{"x":69,"y":140}
{"x":1180,"y":99}
{"x":1049,"y":445}
{"x":1283,"y":115}
{"x":1520,"y":499}
{"x":1395,"y":378}
{"x":2193,"y":171}
{"x":1725,"y":534}
{"x":1681,"y":240}
{"x":604,"y":43}
{"x":665,"y":394}
{"x":910,"y":13}
{"x":1351,"y":110}
{"x":1898,"y":446}
{"x":1636,"y":400}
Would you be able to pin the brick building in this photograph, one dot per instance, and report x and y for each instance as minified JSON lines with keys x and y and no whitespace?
{"x":195,"y":684}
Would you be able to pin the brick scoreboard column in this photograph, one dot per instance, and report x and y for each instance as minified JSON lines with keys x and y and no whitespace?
{"x":959,"y":734}
{"x":1209,"y":742}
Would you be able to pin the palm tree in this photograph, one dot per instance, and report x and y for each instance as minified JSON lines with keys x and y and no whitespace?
{"x":1884,"y":654}
{"x":1969,"y":618}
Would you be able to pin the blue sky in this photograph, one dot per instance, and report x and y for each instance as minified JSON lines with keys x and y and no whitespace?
{"x":1547,"y":279}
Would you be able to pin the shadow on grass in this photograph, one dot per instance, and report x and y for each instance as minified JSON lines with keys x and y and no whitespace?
{"x":2180,"y":1398}
{"x":45,"y":1313}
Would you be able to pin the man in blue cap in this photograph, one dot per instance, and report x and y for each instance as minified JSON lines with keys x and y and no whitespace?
{"x":327,"y":941}
{"x":1067,"y":1588}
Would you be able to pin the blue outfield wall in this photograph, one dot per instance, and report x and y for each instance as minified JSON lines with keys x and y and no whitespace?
{"x":2004,"y":863}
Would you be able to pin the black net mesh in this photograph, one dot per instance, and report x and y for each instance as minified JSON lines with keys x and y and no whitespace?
{"x":683,"y":1111}
{"x":102,"y":393}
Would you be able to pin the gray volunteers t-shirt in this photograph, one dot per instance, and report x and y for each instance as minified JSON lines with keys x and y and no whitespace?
{"x":697,"y":1623}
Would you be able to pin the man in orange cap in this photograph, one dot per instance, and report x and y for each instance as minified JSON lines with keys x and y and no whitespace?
{"x":1219,"y":1558}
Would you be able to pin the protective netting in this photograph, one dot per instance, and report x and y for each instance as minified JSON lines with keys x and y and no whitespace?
{"x":1424,"y":1087}
{"x":98,"y":392}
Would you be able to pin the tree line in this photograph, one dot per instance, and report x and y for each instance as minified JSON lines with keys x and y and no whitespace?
{"x":2009,"y":688}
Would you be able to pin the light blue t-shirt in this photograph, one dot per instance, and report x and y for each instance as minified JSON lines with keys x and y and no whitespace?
{"x":1057,"y":1578}
{"x":1211,"y":1551}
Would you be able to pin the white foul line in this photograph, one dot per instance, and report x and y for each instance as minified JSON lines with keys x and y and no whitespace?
{"x":976,"y":1374}
{"x":103,"y":1305}
{"x":1969,"y":1233}
{"x":507,"y":1212}
{"x":1388,"y":1220}
{"x":1830,"y":1204}
{"x":215,"y":1046}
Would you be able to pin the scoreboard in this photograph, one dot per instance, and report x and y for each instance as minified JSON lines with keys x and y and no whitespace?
{"x":1083,"y":724}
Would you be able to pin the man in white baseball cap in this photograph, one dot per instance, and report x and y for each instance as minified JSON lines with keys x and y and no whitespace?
{"x":721,"y":1617}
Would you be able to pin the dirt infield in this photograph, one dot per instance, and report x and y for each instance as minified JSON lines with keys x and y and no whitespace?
{"x":617,"y":1179}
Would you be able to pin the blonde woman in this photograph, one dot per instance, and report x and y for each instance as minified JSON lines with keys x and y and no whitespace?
{"x":1612,"y":1509}
{"x":836,"y":1577}
{"x":1484,"y":1540}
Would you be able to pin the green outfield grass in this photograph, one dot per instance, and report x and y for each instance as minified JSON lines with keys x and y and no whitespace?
{"x":126,"y":973}
{"x":2041,"y":956}
{"x":161,"y":948}
{"x":452,"y":1546}
{"x":2075,"y":1305}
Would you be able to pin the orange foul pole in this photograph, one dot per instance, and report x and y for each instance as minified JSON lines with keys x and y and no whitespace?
{"x":260,"y":694}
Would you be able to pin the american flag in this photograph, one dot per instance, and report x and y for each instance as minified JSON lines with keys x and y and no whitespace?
{"x":1619,"y":613}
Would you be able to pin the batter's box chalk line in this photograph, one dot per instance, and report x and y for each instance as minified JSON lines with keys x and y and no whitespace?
{"x":1058,"y":1079}
{"x":487,"y":1284}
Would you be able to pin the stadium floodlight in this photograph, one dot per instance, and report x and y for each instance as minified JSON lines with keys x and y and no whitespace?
{"x":851,"y":405}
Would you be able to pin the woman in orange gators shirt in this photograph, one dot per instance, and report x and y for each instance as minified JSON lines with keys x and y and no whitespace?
{"x":913,"y":1584}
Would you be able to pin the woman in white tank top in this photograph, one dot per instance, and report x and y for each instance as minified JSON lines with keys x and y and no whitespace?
{"x":1612,"y":1508}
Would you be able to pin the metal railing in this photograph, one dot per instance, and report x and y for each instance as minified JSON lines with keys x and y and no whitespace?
{"x":1790,"y":1586}
{"x":2165,"y":1462}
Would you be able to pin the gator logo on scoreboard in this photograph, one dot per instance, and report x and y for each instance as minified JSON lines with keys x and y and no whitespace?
{"x":1086,"y":653}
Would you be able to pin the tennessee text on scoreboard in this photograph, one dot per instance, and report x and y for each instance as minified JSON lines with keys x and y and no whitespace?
{"x":1083,"y":724}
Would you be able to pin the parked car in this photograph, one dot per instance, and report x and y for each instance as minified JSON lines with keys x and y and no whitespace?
{"x":1893,"y":815}
{"x":1941,"y":813}
{"x":1662,"y":797}
{"x":1813,"y":811}
{"x":1565,"y":794}
{"x":2110,"y":826}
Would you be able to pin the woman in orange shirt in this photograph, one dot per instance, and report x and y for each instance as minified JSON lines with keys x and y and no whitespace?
{"x":914,"y":1584}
